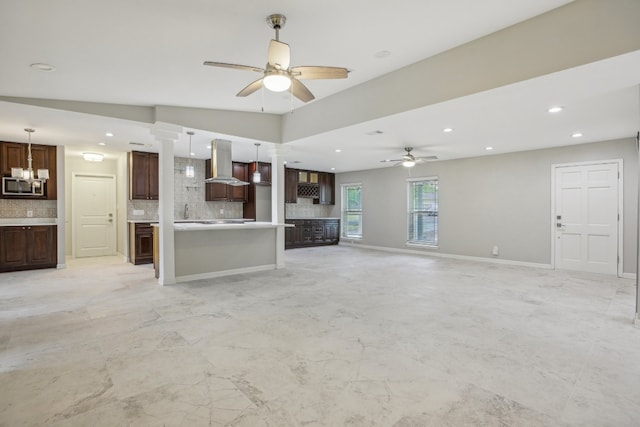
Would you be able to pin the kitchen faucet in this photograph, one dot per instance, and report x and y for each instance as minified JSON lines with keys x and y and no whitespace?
{"x":186,"y":211}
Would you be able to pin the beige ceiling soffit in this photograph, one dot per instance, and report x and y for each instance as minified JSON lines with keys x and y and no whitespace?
{"x":576,"y":34}
{"x":118,"y":111}
{"x":260,"y":126}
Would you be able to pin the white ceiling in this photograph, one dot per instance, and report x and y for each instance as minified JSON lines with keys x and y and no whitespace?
{"x":150,"y":53}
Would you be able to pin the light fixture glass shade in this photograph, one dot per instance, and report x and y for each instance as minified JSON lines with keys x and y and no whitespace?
{"x":93,"y":157}
{"x":27,"y":174}
{"x":43,"y":174}
{"x":190,"y":171}
{"x":257,"y":177}
{"x":277,"y":82}
{"x":17,"y":173}
{"x":408,"y":163}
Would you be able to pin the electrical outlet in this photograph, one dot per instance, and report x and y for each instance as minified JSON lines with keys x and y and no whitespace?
{"x":138,"y":212}
{"x":29,"y":214}
{"x":221,"y":211}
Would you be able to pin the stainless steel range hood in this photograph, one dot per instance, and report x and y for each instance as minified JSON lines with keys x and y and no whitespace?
{"x":221,"y":164}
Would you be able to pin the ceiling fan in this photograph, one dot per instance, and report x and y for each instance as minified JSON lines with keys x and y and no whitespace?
{"x":277,"y":76}
{"x":409,"y":160}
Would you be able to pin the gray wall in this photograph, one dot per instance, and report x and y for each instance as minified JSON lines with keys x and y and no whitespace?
{"x":502,"y":200}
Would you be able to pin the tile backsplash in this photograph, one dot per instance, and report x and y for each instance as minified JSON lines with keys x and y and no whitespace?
{"x":18,"y":208}
{"x":306,"y":209}
{"x":189,"y":192}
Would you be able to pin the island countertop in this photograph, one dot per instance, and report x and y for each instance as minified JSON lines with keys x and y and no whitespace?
{"x":201,"y":226}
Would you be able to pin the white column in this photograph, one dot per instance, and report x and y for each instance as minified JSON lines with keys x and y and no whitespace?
{"x":166,"y":135}
{"x":277,"y":201}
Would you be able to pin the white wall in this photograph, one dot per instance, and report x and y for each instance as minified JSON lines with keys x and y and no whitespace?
{"x":502,"y":200}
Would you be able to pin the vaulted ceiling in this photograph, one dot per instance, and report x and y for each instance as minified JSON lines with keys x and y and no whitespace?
{"x":488,"y":70}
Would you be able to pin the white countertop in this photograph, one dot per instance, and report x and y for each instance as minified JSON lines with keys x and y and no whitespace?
{"x":7,"y":222}
{"x":317,"y":217}
{"x":192,"y":226}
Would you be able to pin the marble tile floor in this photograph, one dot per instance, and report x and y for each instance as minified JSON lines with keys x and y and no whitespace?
{"x":341,"y":337}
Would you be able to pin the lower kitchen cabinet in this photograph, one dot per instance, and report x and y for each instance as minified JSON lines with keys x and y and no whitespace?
{"x":311,"y":232}
{"x":28,"y":247}
{"x":141,"y":243}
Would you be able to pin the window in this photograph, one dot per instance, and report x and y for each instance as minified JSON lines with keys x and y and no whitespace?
{"x":422,"y":224}
{"x":352,"y":210}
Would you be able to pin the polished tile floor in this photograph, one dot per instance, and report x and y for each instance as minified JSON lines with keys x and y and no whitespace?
{"x":342,"y":337}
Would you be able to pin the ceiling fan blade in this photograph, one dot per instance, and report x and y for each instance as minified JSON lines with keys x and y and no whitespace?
{"x":392,"y":160}
{"x":252,"y":87}
{"x":279,"y":55}
{"x":427,"y":158}
{"x":234,"y":66}
{"x":300,"y":91}
{"x":313,"y":72}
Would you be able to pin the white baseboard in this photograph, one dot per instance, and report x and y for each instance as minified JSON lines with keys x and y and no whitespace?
{"x":214,"y":274}
{"x":61,"y":266}
{"x":629,"y":276}
{"x":452,"y":256}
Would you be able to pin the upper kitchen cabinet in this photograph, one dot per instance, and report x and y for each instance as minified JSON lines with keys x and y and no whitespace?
{"x":290,"y":185}
{"x":15,"y":154}
{"x":307,"y":177}
{"x":265,"y":172}
{"x":326,"y":191}
{"x":143,"y":176}
{"x":219,"y":192}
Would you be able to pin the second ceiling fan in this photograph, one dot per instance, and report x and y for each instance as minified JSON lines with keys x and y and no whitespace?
{"x":277,"y":76}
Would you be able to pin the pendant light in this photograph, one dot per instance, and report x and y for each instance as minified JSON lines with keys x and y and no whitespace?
{"x":28,"y":174}
{"x":256,"y":174}
{"x":190,"y":171}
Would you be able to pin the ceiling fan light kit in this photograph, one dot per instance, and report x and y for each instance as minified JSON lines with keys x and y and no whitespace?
{"x":277,"y":76}
{"x":409,"y":160}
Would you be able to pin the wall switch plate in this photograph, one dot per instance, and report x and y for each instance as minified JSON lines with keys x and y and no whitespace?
{"x":221,"y":211}
{"x":495,"y":251}
{"x":29,"y":214}
{"x":138,"y":212}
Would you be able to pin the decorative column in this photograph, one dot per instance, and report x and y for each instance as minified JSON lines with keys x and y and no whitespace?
{"x":277,"y":200}
{"x":166,"y":135}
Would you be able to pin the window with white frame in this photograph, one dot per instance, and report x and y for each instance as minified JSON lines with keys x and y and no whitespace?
{"x":422,"y":223}
{"x":352,"y":211}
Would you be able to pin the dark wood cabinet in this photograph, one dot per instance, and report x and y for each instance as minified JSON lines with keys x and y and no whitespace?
{"x":265,"y":173}
{"x":143,"y":176}
{"x":311,"y":232}
{"x":290,"y":185}
{"x":141,"y":243}
{"x":215,"y":191}
{"x":326,"y":190}
{"x":15,"y":154}
{"x":28,"y":247}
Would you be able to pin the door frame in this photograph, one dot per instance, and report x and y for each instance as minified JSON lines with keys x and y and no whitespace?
{"x":74,"y":181}
{"x":619,"y":162}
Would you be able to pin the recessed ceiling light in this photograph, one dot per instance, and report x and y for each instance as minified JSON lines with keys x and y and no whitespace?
{"x":576,"y":135}
{"x":488,"y":148}
{"x":284,"y":163}
{"x":555,"y":109}
{"x":101,"y":143}
{"x":338,"y":150}
{"x":333,"y":169}
{"x":109,"y":134}
{"x":193,"y":154}
{"x":41,"y":66}
{"x":208,"y":147}
{"x":447,"y":130}
{"x":382,"y":54}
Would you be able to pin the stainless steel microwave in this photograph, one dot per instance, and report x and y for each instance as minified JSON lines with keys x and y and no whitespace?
{"x":20,"y":187}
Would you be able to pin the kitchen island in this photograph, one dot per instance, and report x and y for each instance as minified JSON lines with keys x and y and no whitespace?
{"x":206,"y":249}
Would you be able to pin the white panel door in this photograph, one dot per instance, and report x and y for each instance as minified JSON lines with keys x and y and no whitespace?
{"x":586,"y":218}
{"x":94,"y":208}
